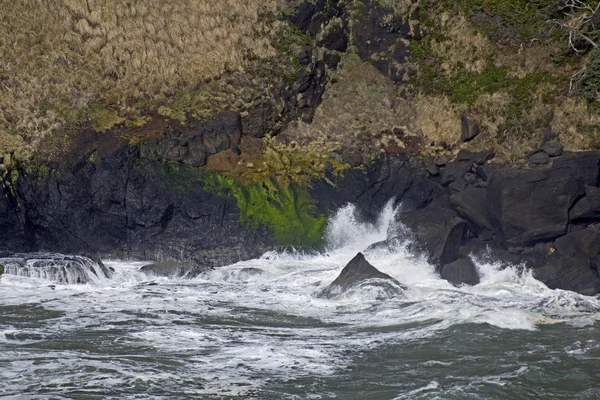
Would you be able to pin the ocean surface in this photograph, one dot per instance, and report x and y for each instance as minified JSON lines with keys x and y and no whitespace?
{"x":258,"y":330}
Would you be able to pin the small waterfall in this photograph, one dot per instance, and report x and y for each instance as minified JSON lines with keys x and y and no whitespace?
{"x":56,"y":268}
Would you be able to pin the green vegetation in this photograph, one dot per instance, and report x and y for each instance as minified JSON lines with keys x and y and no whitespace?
{"x":294,"y":163}
{"x":589,"y":84}
{"x":509,"y":20}
{"x":287,"y":211}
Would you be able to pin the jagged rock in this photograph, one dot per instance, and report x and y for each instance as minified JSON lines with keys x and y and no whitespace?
{"x":471,"y":204}
{"x":469,"y":131}
{"x":533,"y":205}
{"x":481,"y":157}
{"x":358,"y":270}
{"x":539,"y":158}
{"x":553,"y":149}
{"x":588,"y":207}
{"x":174,"y":269}
{"x":432,"y":168}
{"x":460,"y":272}
{"x":1,"y":269}
{"x":437,"y":231}
{"x":571,"y":273}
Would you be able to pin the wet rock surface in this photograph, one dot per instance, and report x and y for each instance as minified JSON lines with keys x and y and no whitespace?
{"x":358,"y":270}
{"x":460,"y":272}
{"x":54,"y":267}
{"x":187,"y":270}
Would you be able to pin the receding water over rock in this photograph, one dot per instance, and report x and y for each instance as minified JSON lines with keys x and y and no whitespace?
{"x":258,"y":330}
{"x":55,"y":267}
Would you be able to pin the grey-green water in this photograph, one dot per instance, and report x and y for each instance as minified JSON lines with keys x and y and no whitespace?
{"x":258,"y":330}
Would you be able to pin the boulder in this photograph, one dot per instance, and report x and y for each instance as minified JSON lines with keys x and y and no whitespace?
{"x":174,"y":269}
{"x":569,"y":273}
{"x":455,"y":170}
{"x":460,"y":272}
{"x":436,"y":231}
{"x":358,"y":270}
{"x":471,"y":204}
{"x":539,"y":158}
{"x":528,"y":206}
{"x":553,"y":149}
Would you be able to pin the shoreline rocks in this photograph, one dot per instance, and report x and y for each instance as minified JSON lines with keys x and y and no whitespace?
{"x":129,"y":207}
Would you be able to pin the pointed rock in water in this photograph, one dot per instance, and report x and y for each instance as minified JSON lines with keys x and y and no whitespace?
{"x":1,"y":269}
{"x":358,"y":270}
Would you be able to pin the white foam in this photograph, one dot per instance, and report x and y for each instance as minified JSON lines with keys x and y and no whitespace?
{"x":262,"y":317}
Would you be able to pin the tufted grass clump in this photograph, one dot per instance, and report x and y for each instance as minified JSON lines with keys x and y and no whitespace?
{"x":294,"y":163}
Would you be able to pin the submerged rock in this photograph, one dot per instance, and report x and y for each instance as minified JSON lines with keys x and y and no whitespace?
{"x":55,"y":267}
{"x":460,"y":272}
{"x":187,"y":270}
{"x":358,"y":270}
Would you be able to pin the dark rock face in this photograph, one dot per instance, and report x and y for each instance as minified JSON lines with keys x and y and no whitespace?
{"x":358,"y":270}
{"x":471,"y":204}
{"x":437,"y":231}
{"x":572,"y":273}
{"x":460,"y":272}
{"x":128,"y":206}
{"x":539,"y":158}
{"x":372,"y":187}
{"x":173,"y":270}
{"x":587,"y":208}
{"x":529,"y":206}
{"x":125,"y":205}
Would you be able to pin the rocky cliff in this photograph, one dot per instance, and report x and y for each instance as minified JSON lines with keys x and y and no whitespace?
{"x":474,"y":122}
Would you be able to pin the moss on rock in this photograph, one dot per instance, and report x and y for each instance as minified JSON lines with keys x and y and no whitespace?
{"x":287,"y":211}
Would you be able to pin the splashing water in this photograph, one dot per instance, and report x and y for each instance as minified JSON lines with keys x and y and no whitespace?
{"x":256,"y":329}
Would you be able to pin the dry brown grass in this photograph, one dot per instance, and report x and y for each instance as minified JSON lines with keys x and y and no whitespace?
{"x":461,"y":45}
{"x":58,"y":57}
{"x":438,"y":120}
{"x":575,"y":126}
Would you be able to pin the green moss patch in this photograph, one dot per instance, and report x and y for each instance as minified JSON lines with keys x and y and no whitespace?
{"x":288,"y":211}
